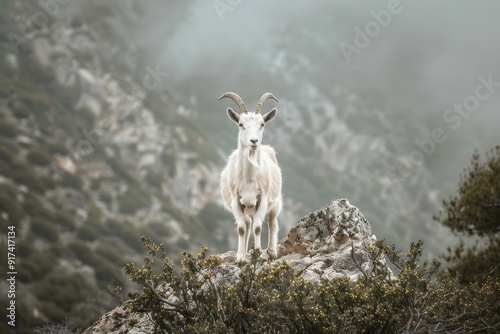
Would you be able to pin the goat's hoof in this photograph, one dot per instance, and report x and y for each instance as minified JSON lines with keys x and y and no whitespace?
{"x":272,"y":254}
{"x":241,"y":260}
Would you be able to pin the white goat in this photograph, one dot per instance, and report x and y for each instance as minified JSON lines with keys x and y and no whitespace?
{"x":251,"y":181}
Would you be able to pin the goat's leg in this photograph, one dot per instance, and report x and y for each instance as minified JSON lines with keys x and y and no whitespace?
{"x":257,"y":230}
{"x":248,"y":224}
{"x":272,"y":244}
{"x":243,"y":234}
{"x":243,"y":225}
{"x":257,"y":221}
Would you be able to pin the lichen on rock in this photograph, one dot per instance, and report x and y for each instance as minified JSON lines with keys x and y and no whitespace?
{"x":329,"y":243}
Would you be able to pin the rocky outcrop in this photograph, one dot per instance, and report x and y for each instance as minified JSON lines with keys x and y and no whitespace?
{"x":329,"y":243}
{"x":325,"y":244}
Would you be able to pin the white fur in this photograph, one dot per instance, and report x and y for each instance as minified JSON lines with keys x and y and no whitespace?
{"x":251,"y":183}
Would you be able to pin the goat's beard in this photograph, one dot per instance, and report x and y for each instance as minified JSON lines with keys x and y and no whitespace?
{"x":253,"y":158}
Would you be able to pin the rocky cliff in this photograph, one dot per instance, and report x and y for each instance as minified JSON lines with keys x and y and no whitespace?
{"x":325,"y":244}
{"x":91,"y":158}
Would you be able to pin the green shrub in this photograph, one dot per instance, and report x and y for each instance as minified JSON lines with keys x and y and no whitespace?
{"x":274,"y":299}
{"x":169,"y":159}
{"x":24,"y":174}
{"x":38,"y":157}
{"x":83,"y":56}
{"x":36,"y":266}
{"x":111,"y":227}
{"x":110,"y":253}
{"x":44,"y":228}
{"x":25,"y":275}
{"x":30,"y":99}
{"x":103,"y":268}
{"x":106,"y":197}
{"x":65,"y":98}
{"x":56,"y":148}
{"x":29,"y":179}
{"x":174,"y":211}
{"x":88,"y":232}
{"x":132,"y":200}
{"x":72,"y":181}
{"x":65,"y":220}
{"x":121,"y":170}
{"x":94,"y":212}
{"x":159,"y":227}
{"x":155,"y":179}
{"x":82,"y":252}
{"x":52,"y":310}
{"x":131,"y":237}
{"x":8,"y":189}
{"x":126,"y":231}
{"x":104,"y":273}
{"x":95,"y":184}
{"x":149,"y":232}
{"x":9,"y":205}
{"x":63,"y":289}
{"x":35,"y":208}
{"x":8,"y":129}
{"x":67,"y":123}
{"x":47,"y":182}
{"x":57,"y":250}
{"x":4,"y":168}
{"x":24,"y":249}
{"x":86,"y":119}
{"x":7,"y":154}
{"x":21,"y":112}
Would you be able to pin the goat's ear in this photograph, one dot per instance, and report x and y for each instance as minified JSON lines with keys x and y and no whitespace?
{"x":270,"y":115}
{"x":233,"y":116}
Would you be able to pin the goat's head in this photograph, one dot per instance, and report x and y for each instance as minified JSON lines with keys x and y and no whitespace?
{"x":251,"y":124}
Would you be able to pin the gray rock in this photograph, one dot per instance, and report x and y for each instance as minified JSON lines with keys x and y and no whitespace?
{"x":325,"y":244}
{"x":121,"y":320}
{"x":329,"y":243}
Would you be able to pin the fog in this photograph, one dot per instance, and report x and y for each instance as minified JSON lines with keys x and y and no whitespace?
{"x":427,"y":58}
{"x":429,"y":53}
{"x":385,"y":91}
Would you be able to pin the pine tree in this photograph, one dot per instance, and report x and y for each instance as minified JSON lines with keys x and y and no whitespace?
{"x":474,"y":215}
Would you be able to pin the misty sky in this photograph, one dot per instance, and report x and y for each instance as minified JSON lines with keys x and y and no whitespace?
{"x":426,"y":59}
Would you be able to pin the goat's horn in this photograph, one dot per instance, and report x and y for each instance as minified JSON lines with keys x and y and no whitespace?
{"x":262,"y":100}
{"x":236,"y":98}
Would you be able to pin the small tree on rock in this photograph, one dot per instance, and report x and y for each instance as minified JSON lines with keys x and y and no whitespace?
{"x":474,"y":213}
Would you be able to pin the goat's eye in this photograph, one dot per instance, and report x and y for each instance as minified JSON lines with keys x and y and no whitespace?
{"x":262,"y":125}
{"x":241,"y":126}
